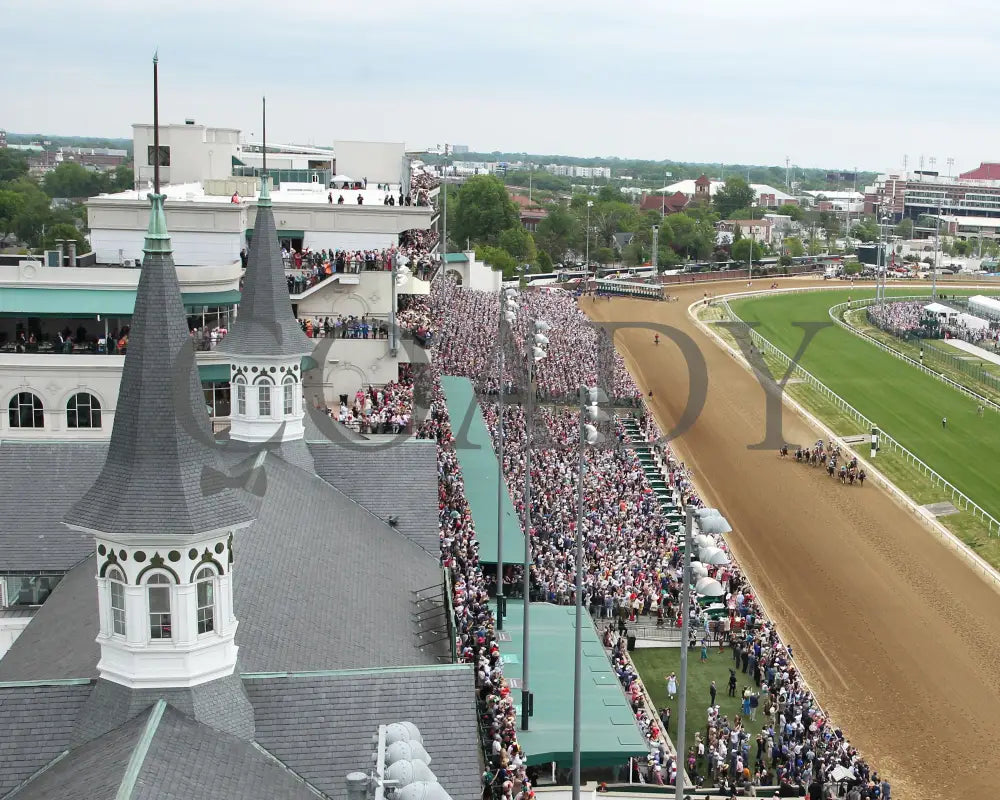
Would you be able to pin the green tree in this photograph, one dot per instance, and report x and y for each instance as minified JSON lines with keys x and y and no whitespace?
{"x":741,"y":250}
{"x":734,"y":195}
{"x":830,"y":224}
{"x":70,"y":179}
{"x":519,"y":243}
{"x":34,"y":212}
{"x":63,"y":230}
{"x":484,"y":210}
{"x":122,"y":179}
{"x":11,"y":204}
{"x":754,"y":212}
{"x":905,"y":228}
{"x":866,"y":229}
{"x":499,"y":259}
{"x":13,"y":165}
{"x":687,"y":236}
{"x":794,"y":247}
{"x":609,"y":194}
{"x":609,"y":218}
{"x":604,"y":256}
{"x":797,"y":213}
{"x":544,"y":262}
{"x":558,"y":232}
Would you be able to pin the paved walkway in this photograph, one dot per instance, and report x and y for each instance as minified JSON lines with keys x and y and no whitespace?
{"x":974,"y":350}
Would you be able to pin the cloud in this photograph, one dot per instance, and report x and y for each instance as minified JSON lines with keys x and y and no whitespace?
{"x":854,"y":83}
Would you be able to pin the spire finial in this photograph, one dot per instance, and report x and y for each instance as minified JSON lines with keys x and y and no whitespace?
{"x":263,"y":114}
{"x":156,"y":123}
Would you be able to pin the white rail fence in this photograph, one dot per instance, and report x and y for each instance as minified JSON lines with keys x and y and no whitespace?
{"x":859,"y":304}
{"x":956,"y":495}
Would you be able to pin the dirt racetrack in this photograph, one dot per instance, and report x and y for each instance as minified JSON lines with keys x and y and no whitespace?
{"x":893,"y":630}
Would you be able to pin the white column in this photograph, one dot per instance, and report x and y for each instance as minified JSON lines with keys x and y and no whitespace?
{"x":185,"y":613}
{"x":136,"y":615}
{"x":104,"y":606}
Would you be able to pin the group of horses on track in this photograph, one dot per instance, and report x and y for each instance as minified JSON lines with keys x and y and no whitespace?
{"x":828,"y":455}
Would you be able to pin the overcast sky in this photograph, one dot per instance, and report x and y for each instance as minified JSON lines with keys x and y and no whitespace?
{"x":854,"y":83}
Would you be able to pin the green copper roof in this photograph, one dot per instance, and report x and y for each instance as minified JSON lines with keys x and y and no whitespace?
{"x":264,"y":201}
{"x":157,"y":235}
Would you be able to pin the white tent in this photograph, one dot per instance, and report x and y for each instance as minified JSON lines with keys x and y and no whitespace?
{"x":986,"y":306}
{"x":973,"y":323}
{"x":940,"y":311}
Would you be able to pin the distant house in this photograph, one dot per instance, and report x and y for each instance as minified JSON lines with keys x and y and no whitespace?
{"x":623,"y":240}
{"x":530,"y":212}
{"x":758,"y":229}
{"x":666,"y":203}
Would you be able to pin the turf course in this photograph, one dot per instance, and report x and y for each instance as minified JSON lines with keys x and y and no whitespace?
{"x":905,"y":402}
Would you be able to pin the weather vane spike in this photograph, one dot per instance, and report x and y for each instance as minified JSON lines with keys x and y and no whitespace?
{"x":263,"y":114}
{"x":156,"y":125}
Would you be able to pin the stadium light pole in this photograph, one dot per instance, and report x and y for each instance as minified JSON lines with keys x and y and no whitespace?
{"x":590,"y":205}
{"x":656,"y":245}
{"x":535,"y":354}
{"x":508,"y":313}
{"x":937,"y":254}
{"x":589,"y":435}
{"x":689,"y":513}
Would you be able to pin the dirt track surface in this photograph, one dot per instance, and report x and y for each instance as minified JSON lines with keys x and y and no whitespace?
{"x":895,"y":633}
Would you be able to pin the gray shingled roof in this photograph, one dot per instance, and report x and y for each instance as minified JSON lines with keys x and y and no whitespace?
{"x":41,"y":481}
{"x":322,"y":726}
{"x":185,"y":760}
{"x":265,"y":325}
{"x":93,"y":771}
{"x":37,"y":724}
{"x":319,"y":583}
{"x":153,"y":481}
{"x":59,"y":641}
{"x":190,"y":761}
{"x":399,"y":481}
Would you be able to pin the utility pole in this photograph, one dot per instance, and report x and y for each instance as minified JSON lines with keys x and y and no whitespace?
{"x":937,"y":254}
{"x":656,"y":243}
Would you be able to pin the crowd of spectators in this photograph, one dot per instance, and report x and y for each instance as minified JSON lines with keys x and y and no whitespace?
{"x":379,"y":409}
{"x":908,"y":318}
{"x":632,"y":570}
{"x":345,"y":327}
{"x":577,"y":351}
{"x":414,"y":316}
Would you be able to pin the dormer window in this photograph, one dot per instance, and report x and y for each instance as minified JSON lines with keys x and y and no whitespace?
{"x":205,"y":580}
{"x":116,"y":585}
{"x":158,"y":594}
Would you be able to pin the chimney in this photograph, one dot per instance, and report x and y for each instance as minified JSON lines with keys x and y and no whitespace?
{"x":72,"y":252}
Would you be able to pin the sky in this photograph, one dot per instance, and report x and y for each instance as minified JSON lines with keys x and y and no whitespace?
{"x":836,"y":85}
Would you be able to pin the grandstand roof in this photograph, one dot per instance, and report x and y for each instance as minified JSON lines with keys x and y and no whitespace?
{"x":609,"y":733}
{"x":479,"y":466}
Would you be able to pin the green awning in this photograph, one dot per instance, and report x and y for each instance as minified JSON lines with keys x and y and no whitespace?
{"x":79,"y":303}
{"x":214,"y":372}
{"x":211,"y":299}
{"x":282,"y":234}
{"x":454,"y":257}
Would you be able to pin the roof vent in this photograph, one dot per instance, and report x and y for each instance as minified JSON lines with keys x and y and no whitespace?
{"x":189,"y":121}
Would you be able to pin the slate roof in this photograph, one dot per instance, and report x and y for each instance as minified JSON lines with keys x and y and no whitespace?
{"x":59,"y":642}
{"x":362,"y":471}
{"x":358,"y":612}
{"x":93,"y":771}
{"x":265,"y":325}
{"x":322,"y":726}
{"x":179,"y":759}
{"x":41,"y":481}
{"x":360,"y":575}
{"x":153,"y":479}
{"x":37,"y":726}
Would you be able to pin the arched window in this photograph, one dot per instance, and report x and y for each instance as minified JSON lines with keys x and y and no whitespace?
{"x":83,"y":411}
{"x":264,"y":398}
{"x":158,"y":592}
{"x":25,"y":411}
{"x":288,"y":389}
{"x":241,"y":396}
{"x":206,"y":599}
{"x":117,"y":583}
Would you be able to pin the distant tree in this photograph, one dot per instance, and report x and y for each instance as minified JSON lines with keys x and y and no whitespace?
{"x":63,"y":230}
{"x":753,"y":212}
{"x":905,"y":228}
{"x":795,"y":212}
{"x":741,"y":250}
{"x":604,"y":256}
{"x":34,"y":212}
{"x":609,"y":194}
{"x":499,"y":259}
{"x":793,"y":246}
{"x":866,"y":229}
{"x":484,"y":211}
{"x":610,"y":217}
{"x":544,"y":261}
{"x":122,"y":179}
{"x":13,"y":165}
{"x":519,"y":243}
{"x":11,"y":204}
{"x":734,"y":195}
{"x":70,"y":179}
{"x":558,"y":232}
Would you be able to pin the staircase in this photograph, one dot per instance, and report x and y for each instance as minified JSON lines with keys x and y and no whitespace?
{"x":653,"y":470}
